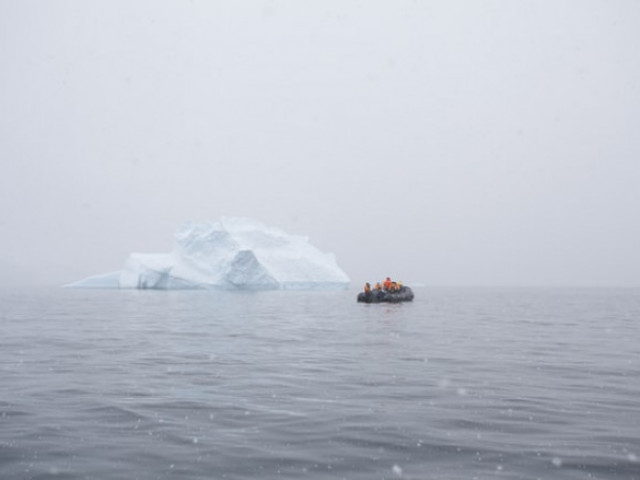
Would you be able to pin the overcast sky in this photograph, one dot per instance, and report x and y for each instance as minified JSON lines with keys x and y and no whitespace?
{"x":442,"y":142}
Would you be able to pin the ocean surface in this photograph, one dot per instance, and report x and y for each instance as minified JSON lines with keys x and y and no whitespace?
{"x":460,"y":384}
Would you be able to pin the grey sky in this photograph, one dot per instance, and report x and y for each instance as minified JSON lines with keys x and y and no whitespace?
{"x":451,"y":143}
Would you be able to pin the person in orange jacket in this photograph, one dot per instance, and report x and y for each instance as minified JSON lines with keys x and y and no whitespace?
{"x":387,"y":284}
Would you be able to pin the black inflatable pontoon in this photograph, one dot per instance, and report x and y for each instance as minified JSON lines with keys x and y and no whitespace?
{"x":378,"y":296}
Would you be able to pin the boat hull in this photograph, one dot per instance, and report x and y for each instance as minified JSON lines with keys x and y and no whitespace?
{"x":379,"y":296}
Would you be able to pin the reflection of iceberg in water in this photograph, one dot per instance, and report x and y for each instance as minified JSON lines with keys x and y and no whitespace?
{"x":233,"y":253}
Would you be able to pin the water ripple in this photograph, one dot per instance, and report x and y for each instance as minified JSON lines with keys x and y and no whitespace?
{"x":506,"y":384}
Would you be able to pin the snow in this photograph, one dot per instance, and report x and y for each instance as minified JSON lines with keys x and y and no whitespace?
{"x":232,"y":253}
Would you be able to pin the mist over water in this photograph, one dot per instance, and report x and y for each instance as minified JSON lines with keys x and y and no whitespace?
{"x":461,"y":383}
{"x":449,"y":143}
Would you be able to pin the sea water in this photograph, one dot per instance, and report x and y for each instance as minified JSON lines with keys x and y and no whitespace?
{"x":459,"y":384}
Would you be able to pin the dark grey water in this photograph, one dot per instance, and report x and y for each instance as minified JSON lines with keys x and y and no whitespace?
{"x":460,"y":384}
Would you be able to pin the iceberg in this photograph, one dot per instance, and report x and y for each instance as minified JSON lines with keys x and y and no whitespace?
{"x":232,"y":253}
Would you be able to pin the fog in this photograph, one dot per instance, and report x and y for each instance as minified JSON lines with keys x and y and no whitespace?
{"x":446,"y":143}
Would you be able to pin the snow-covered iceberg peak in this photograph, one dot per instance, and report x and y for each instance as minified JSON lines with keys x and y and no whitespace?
{"x":233,"y":253}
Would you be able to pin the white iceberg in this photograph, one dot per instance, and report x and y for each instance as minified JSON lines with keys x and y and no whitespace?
{"x":233,"y":253}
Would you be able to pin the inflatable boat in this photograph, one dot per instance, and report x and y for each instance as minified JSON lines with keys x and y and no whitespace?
{"x":405,"y":294}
